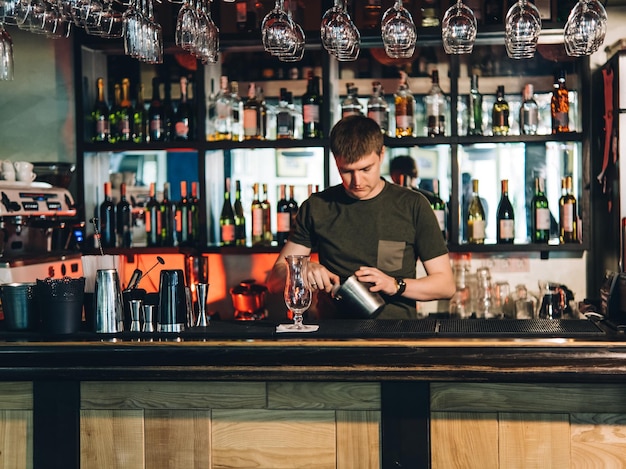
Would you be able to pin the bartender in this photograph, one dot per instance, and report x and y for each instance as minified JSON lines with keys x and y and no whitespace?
{"x":368,"y":227}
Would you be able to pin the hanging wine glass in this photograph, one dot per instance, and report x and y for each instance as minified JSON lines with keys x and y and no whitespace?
{"x":522,"y":27}
{"x":297,"y":291}
{"x":6,"y":54}
{"x":398,"y":32}
{"x":458,"y":29}
{"x":340,"y":36}
{"x":585,"y":29}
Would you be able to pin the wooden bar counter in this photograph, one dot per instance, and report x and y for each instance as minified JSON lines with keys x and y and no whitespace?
{"x":355,"y":394}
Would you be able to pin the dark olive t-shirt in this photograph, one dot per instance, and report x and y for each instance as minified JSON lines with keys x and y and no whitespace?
{"x":390,"y":232}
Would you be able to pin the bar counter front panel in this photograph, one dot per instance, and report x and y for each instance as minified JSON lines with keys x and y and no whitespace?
{"x":239,"y":395}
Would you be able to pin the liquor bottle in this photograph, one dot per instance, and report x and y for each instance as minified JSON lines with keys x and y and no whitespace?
{"x":439,"y":207}
{"x":568,"y":215}
{"x":475,"y":109}
{"x":435,"y":108}
{"x":377,"y":108}
{"x":241,"y":9}
{"x":311,"y":105}
{"x":260,"y":97}
{"x":115,"y":114}
{"x":183,"y":119}
{"x":139,"y":118}
{"x":107,"y":219}
{"x":540,"y":222}
{"x":237,"y":112}
{"x":227,"y":219}
{"x":405,"y":108}
{"x":285,"y":120}
{"x":194,"y":214}
{"x":222,"y":121}
{"x":168,"y":111}
{"x":430,"y":13}
{"x":124,"y":220}
{"x":156,"y":116}
{"x":100,"y":115}
{"x":251,"y":115}
{"x":559,"y":105}
{"x":505,"y":216}
{"x":500,"y":114}
{"x":283,"y":216}
{"x":256,"y":211}
{"x":293,"y":208}
{"x":153,"y":218}
{"x":351,"y":106}
{"x":182,"y":216}
{"x":125,"y":113}
{"x":529,"y":112}
{"x":167,"y":210}
{"x":240,"y":219}
{"x":266,"y":205}
{"x":475,"y":217}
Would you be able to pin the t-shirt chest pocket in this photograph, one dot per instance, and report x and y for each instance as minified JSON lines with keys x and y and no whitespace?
{"x":390,"y":255}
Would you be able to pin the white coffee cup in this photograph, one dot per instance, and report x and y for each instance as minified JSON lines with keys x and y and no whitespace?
{"x":21,"y":166}
{"x":7,"y":170}
{"x":25,"y":175}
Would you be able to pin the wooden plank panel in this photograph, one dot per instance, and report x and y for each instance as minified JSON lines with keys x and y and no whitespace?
{"x":534,"y":441}
{"x":172,"y":395}
{"x":111,"y":438}
{"x":273,"y":439}
{"x":518,"y":397}
{"x":178,"y":439}
{"x":358,"y":439}
{"x":16,"y":395}
{"x":318,"y":395}
{"x":16,"y":439}
{"x":598,"y":440}
{"x":464,"y":440}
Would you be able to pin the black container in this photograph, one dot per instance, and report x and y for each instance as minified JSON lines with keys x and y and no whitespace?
{"x":60,"y":304}
{"x":172,"y":314}
{"x":19,"y":306}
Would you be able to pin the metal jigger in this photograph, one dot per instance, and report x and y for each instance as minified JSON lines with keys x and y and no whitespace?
{"x":135,"y":315}
{"x":148,"y":318}
{"x":202,"y":290}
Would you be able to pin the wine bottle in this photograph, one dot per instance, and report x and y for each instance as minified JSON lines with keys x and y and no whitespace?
{"x":107,"y":219}
{"x":475,"y":217}
{"x":124,"y":220}
{"x":194,"y":214}
{"x":311,"y":109}
{"x":529,"y":112}
{"x":568,"y":214}
{"x":405,"y":108}
{"x":256,"y":211}
{"x":156,"y":116}
{"x":266,"y":206}
{"x":475,"y":109}
{"x":139,"y":118}
{"x":500,"y":114}
{"x":439,"y":207}
{"x":285,"y":120}
{"x":251,"y":115}
{"x":540,"y":222}
{"x":505,"y":216}
{"x":559,"y":104}
{"x":167,"y":210}
{"x":115,"y":113}
{"x":260,"y":97}
{"x":293,"y":208}
{"x":100,"y":115}
{"x":283,"y":217}
{"x":227,"y":219}
{"x":182,"y":216}
{"x":223,"y":112}
{"x":153,"y":218}
{"x":237,"y":112}
{"x":435,"y":108}
{"x":168,"y":112}
{"x":377,"y":108}
{"x":183,"y":119}
{"x":240,"y":219}
{"x":125,"y":113}
{"x":351,"y":106}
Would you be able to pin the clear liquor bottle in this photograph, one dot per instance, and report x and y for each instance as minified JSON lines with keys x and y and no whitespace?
{"x":435,"y":108}
{"x":377,"y":108}
{"x":529,"y":112}
{"x":237,"y":112}
{"x":351,"y":106}
{"x":222,"y":121}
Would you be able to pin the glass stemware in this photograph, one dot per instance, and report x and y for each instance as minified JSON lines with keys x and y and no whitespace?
{"x":585,"y":29}
{"x":522,"y":28}
{"x":458,"y":29}
{"x":340,"y":36}
{"x":6,"y":54}
{"x":398,"y":32}
{"x":297,"y":290}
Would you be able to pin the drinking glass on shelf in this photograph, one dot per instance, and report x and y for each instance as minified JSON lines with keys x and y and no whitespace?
{"x":297,"y":290}
{"x":522,"y":27}
{"x":458,"y":29}
{"x":6,"y":54}
{"x":398,"y":32}
{"x":585,"y":29}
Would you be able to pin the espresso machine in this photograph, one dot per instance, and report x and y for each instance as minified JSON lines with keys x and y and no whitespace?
{"x":38,"y":232}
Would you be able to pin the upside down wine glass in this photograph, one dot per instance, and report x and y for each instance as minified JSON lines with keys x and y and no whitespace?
{"x":297,"y":291}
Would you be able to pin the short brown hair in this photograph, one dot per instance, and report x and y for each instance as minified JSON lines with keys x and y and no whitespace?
{"x":354,"y":137}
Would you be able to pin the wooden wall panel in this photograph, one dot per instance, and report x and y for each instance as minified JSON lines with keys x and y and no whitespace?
{"x":313,"y":395}
{"x":358,"y":439}
{"x":598,"y":441}
{"x":16,"y":439}
{"x":112,"y":439}
{"x":172,"y":395}
{"x":273,"y":439}
{"x":16,"y":395}
{"x":534,"y":441}
{"x":464,"y":440}
{"x":178,"y":439}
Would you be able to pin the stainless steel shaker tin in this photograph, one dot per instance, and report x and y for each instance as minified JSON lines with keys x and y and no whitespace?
{"x":357,"y":297}
{"x":108,"y":306}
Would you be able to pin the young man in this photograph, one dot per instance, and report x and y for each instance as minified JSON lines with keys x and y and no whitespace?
{"x":370,"y":228}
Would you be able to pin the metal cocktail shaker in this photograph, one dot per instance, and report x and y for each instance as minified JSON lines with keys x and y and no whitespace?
{"x":172,"y":314}
{"x":358,"y":299}
{"x":108,"y":307}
